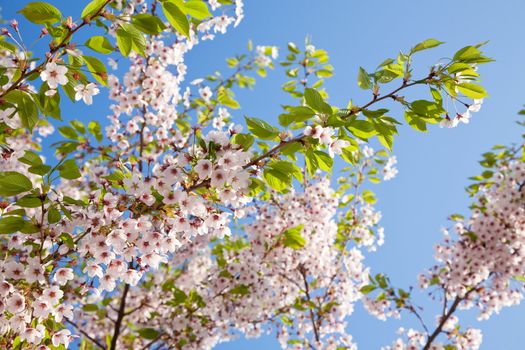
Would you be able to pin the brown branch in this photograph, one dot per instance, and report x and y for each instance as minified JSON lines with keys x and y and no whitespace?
{"x":142,"y":304}
{"x":445,"y":318}
{"x":307,"y":293}
{"x":442,"y":322}
{"x":120,"y":317}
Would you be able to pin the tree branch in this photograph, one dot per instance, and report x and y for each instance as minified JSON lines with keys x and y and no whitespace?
{"x":312,"y":316}
{"x":120,"y":317}
{"x":299,"y":138}
{"x":442,"y":322}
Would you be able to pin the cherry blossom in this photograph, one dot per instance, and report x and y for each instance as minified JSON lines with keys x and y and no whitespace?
{"x":54,"y":74}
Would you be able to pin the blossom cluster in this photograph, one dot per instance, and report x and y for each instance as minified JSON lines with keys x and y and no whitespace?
{"x":481,"y":264}
{"x":268,"y":279}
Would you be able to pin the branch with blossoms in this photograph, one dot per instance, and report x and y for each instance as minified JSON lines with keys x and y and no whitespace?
{"x":171,"y":227}
{"x":478,"y":262}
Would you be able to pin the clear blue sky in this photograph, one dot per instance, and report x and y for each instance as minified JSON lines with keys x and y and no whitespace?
{"x":434,"y":167}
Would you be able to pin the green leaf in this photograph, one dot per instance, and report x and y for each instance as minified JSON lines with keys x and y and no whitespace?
{"x":148,"y":24}
{"x":363,"y":79}
{"x":362,"y":129}
{"x":467,"y":54}
{"x":67,"y":239}
{"x":30,"y":158}
{"x":280,"y":173}
{"x":7,"y":46}
{"x":368,"y":288}
{"x":26,"y":107}
{"x":311,"y":162}
{"x":415,"y":121}
{"x":519,"y":278}
{"x":79,"y":126}
{"x":97,"y":69}
{"x":29,"y":201}
{"x":179,"y":296}
{"x":100,"y":44}
{"x":298,"y":114}
{"x":427,"y":44}
{"x":196,"y":9}
{"x":290,"y":149}
{"x":11,"y":224}
{"x":53,"y":215}
{"x":91,"y":9}
{"x":130,"y":38}
{"x":276,"y":179}
{"x":176,"y":17}
{"x":69,"y":170}
{"x":324,"y":161}
{"x":386,"y":140}
{"x":245,"y":140}
{"x":41,"y":169}
{"x":293,"y":238}
{"x":287,"y":168}
{"x":225,"y":96}
{"x":49,"y":105}
{"x":41,"y":13}
{"x":240,"y":289}
{"x":148,"y":333}
{"x":473,"y":91}
{"x":427,"y":108}
{"x":68,"y":132}
{"x":261,"y":129}
{"x":90,"y":307}
{"x":95,"y":130}
{"x":13,"y":183}
{"x":314,"y":99}
{"x":369,"y":196}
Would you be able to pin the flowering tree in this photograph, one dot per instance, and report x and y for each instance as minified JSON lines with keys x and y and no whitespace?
{"x":172,"y":228}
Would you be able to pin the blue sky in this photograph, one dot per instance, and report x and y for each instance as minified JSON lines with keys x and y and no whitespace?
{"x":433,"y":167}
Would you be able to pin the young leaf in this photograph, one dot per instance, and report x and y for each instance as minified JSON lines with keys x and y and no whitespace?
{"x":245,"y":140}
{"x":26,"y":107}
{"x":296,"y":115}
{"x":314,"y":99}
{"x":13,"y":183}
{"x":176,"y":17}
{"x":69,"y":170}
{"x":148,"y":24}
{"x":30,"y":158}
{"x":94,"y":129}
{"x":473,"y":91}
{"x":261,"y":129}
{"x":130,"y":38}
{"x":148,"y":333}
{"x":100,"y":44}
{"x":53,"y":215}
{"x":197,"y":9}
{"x":276,"y":179}
{"x":363,"y":79}
{"x":427,"y":44}
{"x":97,"y":69}
{"x":11,"y":224}
{"x":324,"y":161}
{"x":92,"y":8}
{"x":41,"y":13}
{"x":293,"y":238}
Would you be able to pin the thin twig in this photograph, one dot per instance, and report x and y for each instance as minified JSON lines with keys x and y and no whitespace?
{"x":93,"y":340}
